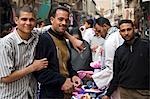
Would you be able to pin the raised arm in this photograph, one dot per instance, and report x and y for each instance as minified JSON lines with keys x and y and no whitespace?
{"x":77,"y":44}
{"x":41,"y":30}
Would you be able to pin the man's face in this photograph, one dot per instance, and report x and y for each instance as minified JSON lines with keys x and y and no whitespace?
{"x":26,"y":22}
{"x":101,"y":29}
{"x":127,"y":31}
{"x":61,"y":21}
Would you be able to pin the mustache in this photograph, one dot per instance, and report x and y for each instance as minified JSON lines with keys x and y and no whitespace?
{"x":64,"y":25}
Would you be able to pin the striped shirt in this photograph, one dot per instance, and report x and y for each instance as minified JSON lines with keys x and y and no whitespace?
{"x":16,"y":54}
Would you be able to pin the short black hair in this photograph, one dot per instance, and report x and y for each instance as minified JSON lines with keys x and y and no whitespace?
{"x":76,"y":30}
{"x":53,"y":12}
{"x":25,"y":8}
{"x":91,"y":22}
{"x":7,"y":26}
{"x":101,"y":21}
{"x":125,"y":21}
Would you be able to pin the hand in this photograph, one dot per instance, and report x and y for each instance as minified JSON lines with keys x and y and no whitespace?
{"x":105,"y":97}
{"x":88,"y":76}
{"x":67,"y":87}
{"x":77,"y":44}
{"x":76,"y":81}
{"x":39,"y":64}
{"x":94,"y":47}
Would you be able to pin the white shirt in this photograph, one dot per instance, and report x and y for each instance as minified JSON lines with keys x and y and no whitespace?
{"x":112,"y":42}
{"x":42,"y":29}
{"x":97,"y":41}
{"x":88,"y":35}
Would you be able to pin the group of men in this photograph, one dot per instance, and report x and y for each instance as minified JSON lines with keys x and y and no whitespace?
{"x":27,"y":56}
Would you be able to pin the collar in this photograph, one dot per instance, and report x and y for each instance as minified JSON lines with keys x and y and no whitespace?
{"x":57,"y":35}
{"x":20,"y":40}
{"x":136,"y":38}
{"x":98,"y":36}
{"x":111,"y":30}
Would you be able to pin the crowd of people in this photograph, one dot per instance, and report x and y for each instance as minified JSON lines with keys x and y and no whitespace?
{"x":39,"y":61}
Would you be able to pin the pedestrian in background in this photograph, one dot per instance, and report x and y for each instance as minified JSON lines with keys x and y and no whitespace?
{"x":87,"y":30}
{"x":131,"y":65}
{"x":112,"y":41}
{"x":80,"y":61}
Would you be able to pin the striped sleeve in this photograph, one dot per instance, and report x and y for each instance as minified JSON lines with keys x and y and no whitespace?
{"x":6,"y":60}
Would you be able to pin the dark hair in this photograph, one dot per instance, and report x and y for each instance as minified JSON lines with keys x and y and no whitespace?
{"x":76,"y":30}
{"x":101,"y":21}
{"x":126,"y":21}
{"x":7,"y":26}
{"x":53,"y":12}
{"x":25,"y":8}
{"x":6,"y":29}
{"x":91,"y":22}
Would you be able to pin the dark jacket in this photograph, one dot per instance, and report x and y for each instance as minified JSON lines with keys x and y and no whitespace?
{"x":131,"y":66}
{"x":81,"y":61}
{"x":50,"y":78}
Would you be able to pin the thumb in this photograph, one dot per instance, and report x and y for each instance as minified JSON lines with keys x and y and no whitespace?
{"x":44,"y":59}
{"x":78,"y":50}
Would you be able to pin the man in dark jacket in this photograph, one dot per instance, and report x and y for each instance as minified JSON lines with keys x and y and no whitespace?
{"x":59,"y":79}
{"x":131,"y":65}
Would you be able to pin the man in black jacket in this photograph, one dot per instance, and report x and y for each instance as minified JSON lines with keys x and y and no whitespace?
{"x":59,"y":79}
{"x":131,"y":65}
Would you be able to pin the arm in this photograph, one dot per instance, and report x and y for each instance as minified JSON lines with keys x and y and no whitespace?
{"x":77,"y":44}
{"x":41,"y":30}
{"x":49,"y":76}
{"x":115,"y":81}
{"x":111,"y":44}
{"x":109,"y":50}
{"x":8,"y":73}
{"x":73,"y":74}
{"x":18,"y":74}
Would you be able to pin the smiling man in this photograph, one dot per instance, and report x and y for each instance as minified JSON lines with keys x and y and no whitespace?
{"x":17,"y":58}
{"x":59,"y":79}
